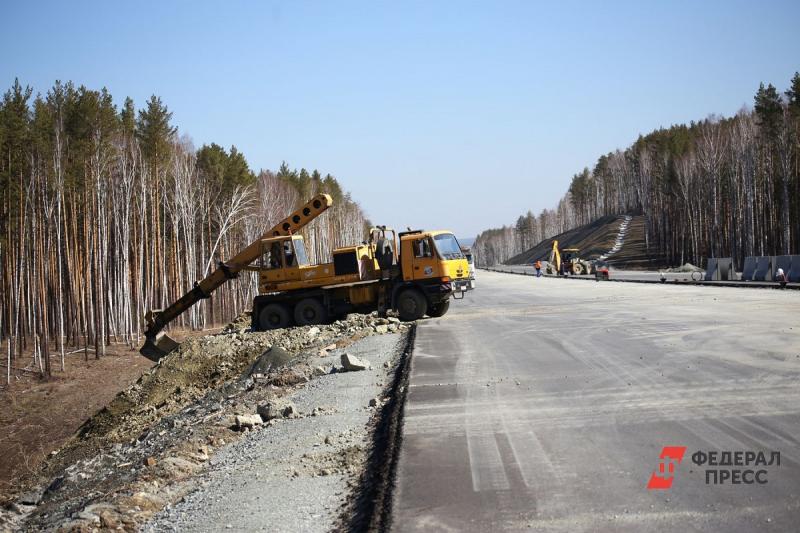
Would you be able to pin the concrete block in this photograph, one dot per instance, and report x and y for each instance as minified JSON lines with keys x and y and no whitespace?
{"x":794,"y":271}
{"x":749,"y":268}
{"x":712,"y":272}
{"x":725,"y":269}
{"x":763,"y":270}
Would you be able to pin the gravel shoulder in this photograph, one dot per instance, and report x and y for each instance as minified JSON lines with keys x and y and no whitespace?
{"x":295,"y":474}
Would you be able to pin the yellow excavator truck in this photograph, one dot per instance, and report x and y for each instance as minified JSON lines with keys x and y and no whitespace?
{"x":567,"y":261}
{"x":414,"y":273}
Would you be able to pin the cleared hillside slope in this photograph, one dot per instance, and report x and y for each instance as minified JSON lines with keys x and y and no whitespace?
{"x":597,"y":238}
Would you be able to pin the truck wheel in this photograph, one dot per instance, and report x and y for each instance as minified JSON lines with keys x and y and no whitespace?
{"x":411,"y":305}
{"x":439,"y":309}
{"x":577,"y":268}
{"x":274,"y":316}
{"x":310,"y":311}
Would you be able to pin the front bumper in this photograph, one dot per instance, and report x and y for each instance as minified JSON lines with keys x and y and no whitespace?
{"x":462,"y":285}
{"x":438,"y":291}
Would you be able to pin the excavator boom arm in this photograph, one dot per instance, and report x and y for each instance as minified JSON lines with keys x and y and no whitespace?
{"x":157,"y":346}
{"x":555,"y":257}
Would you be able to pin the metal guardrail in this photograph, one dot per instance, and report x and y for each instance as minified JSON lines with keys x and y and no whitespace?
{"x":700,"y":282}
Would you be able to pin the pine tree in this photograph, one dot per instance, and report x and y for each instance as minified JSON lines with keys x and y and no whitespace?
{"x":155,"y":132}
{"x":768,"y":109}
{"x":212,"y":162}
{"x":237,"y":171}
{"x":128,"y":118}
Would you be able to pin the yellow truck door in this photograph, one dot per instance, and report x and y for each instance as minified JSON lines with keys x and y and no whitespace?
{"x":424,"y":263}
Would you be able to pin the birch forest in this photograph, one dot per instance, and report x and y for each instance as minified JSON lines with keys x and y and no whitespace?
{"x":107,"y":212}
{"x":721,"y":187}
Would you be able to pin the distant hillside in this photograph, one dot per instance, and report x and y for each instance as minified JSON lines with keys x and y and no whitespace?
{"x":597,"y":238}
{"x":718,"y":187}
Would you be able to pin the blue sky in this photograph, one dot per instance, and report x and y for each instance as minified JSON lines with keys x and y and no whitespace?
{"x":433,"y":114}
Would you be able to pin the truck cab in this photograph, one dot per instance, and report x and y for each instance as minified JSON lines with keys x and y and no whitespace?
{"x":432,"y":266}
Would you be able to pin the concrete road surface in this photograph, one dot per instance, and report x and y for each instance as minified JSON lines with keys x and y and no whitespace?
{"x":545,"y":404}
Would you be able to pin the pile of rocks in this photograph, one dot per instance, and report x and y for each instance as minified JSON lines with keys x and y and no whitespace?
{"x":125,"y":462}
{"x":686,"y":267}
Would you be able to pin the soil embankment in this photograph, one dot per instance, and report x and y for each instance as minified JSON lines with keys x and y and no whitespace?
{"x":596,"y":239}
{"x":146,"y":448}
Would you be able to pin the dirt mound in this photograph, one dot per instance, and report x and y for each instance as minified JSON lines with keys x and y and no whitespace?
{"x":157,"y":431}
{"x":686,"y":267}
{"x":597,"y":238}
{"x":198,"y":365}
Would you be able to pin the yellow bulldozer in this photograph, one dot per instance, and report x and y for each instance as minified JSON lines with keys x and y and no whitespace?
{"x":416,"y":276}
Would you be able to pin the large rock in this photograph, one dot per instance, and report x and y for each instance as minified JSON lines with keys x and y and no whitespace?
{"x":33,"y":497}
{"x":178,"y":467}
{"x":144,"y":501}
{"x":323,"y":352}
{"x":351,"y":363}
{"x":110,"y":519}
{"x":248,"y":421}
{"x":382,"y":329}
{"x":277,"y":409}
{"x":270,"y":360}
{"x":101,"y":514}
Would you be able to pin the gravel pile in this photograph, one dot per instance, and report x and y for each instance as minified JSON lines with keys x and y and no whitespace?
{"x":686,"y":267}
{"x":297,"y":472}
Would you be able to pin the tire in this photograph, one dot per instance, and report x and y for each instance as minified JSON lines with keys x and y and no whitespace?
{"x":435,"y":311}
{"x":310,"y":311}
{"x":274,"y":316}
{"x":411,"y":305}
{"x":577,"y":269}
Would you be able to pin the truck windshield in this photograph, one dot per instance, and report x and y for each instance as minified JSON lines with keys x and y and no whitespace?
{"x":447,"y":246}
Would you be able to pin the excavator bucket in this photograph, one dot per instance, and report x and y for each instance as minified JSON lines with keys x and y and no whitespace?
{"x":156,"y":348}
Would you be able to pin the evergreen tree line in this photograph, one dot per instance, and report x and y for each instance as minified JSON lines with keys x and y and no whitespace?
{"x":721,"y":187}
{"x":108,"y":212}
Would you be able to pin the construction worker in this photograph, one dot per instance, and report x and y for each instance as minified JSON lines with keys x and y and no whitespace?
{"x":538,"y":267}
{"x":780,"y":277}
